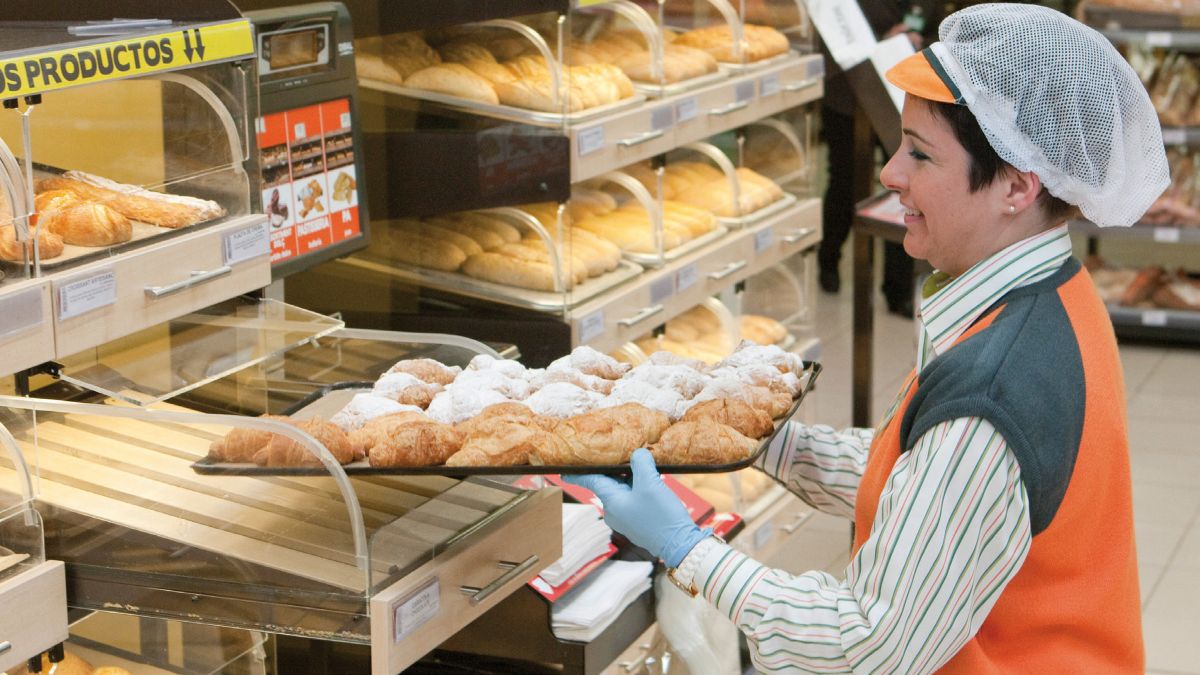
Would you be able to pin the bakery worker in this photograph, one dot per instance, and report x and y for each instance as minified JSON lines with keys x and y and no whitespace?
{"x":993,"y":510}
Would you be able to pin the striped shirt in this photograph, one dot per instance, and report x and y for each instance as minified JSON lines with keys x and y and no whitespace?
{"x":951,"y":529}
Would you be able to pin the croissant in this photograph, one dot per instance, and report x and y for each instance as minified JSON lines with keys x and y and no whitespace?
{"x":418,"y":443}
{"x":379,"y":429}
{"x":241,"y":443}
{"x":702,"y":441}
{"x":427,"y":370}
{"x":748,"y":421}
{"x":606,"y":436}
{"x":283,"y":451}
{"x":506,"y":443}
{"x":87,"y":224}
{"x":509,"y":411}
{"x":50,"y":245}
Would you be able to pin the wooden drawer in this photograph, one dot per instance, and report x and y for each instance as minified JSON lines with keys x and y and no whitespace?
{"x":416,"y":614}
{"x":34,"y":616}
{"x":123,"y":289}
{"x":26,"y":332}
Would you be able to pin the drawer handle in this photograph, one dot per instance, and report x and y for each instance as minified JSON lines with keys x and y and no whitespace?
{"x":515,"y":570}
{"x":640,"y":138}
{"x":726,"y":109}
{"x":797,"y":235}
{"x":641,"y":316}
{"x":795,"y":524}
{"x":727,"y":270}
{"x":193,"y":280}
{"x":5,"y":646}
{"x":799,"y":86}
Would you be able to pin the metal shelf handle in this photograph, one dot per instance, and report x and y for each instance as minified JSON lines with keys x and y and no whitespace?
{"x":797,"y":235}
{"x":727,"y":270}
{"x":800,"y":86}
{"x":640,"y":138}
{"x":195,"y":279}
{"x":515,"y":570}
{"x":726,"y":109}
{"x":642,"y":315}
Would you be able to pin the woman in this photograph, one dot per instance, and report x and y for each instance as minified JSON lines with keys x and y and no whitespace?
{"x":993,"y":508}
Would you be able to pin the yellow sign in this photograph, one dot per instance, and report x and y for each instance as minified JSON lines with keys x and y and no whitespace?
{"x":73,"y":66}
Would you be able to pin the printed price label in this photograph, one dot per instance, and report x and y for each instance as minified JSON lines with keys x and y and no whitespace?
{"x":686,"y":109}
{"x":744,"y":91}
{"x":344,"y":120}
{"x":816,"y":69}
{"x":84,"y":295}
{"x":591,"y":140}
{"x":1158,"y":39}
{"x":246,"y":243}
{"x":662,"y":289}
{"x":662,"y":117}
{"x":417,"y":610}
{"x":1169,"y":235}
{"x":300,"y":130}
{"x":592,"y":326}
{"x":1174,"y":136}
{"x":764,"y":239}
{"x":1154,"y":317}
{"x":686,"y":277}
{"x":260,"y":125}
{"x":21,"y":311}
{"x":769,"y":85}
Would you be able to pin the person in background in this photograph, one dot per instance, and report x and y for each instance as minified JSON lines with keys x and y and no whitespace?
{"x":993,"y":504}
{"x":918,"y":20}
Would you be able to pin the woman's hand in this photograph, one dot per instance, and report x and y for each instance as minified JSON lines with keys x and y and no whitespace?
{"x":647,"y":512}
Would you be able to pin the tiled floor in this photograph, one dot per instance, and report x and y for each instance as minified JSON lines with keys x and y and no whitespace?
{"x":1163,"y":391}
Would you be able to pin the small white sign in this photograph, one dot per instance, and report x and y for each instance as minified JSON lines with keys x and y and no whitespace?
{"x":744,"y":91}
{"x":260,"y":125}
{"x":417,"y":609}
{"x":844,"y":30}
{"x":1154,"y":317}
{"x":686,"y":109}
{"x":764,"y":239}
{"x":344,"y":120}
{"x":246,"y":243}
{"x":591,"y":140}
{"x":84,"y":295}
{"x":300,"y":131}
{"x":769,"y":85}
{"x":592,"y":326}
{"x":21,"y":310}
{"x":662,"y":289}
{"x":1158,"y":39}
{"x":1168,"y":235}
{"x":662,"y":117}
{"x":686,"y":277}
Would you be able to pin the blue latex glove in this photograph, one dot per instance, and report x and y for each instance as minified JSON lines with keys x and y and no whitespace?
{"x":648,"y":513}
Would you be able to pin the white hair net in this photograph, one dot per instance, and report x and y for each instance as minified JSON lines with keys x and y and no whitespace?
{"x":1054,"y":97}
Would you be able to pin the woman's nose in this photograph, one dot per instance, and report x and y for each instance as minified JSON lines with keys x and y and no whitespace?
{"x":892,"y":176}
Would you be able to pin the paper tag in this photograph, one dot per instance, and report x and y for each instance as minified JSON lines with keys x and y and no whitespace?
{"x":1174,"y":136}
{"x":1158,"y":39}
{"x":686,"y":277}
{"x":84,"y":295}
{"x":744,"y":91}
{"x":1154,"y":317}
{"x":686,"y":109}
{"x":844,"y":30}
{"x":344,"y":120}
{"x":592,"y":326}
{"x":260,"y":125}
{"x":591,"y":140}
{"x":417,"y":609}
{"x":1169,"y":235}
{"x":662,"y":289}
{"x":21,"y":310}
{"x":300,"y":131}
{"x":763,"y":534}
{"x":764,"y":239}
{"x":769,"y":85}
{"x":662,"y":117}
{"x":246,"y":243}
{"x":816,"y":69}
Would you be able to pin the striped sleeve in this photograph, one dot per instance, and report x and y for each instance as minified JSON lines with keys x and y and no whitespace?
{"x":951,"y":530}
{"x":820,"y":465}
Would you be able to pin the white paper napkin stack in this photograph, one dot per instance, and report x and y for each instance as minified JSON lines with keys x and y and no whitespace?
{"x":585,"y":536}
{"x":584,"y":612}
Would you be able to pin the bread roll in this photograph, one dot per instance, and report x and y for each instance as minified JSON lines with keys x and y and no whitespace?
{"x":759,"y":42}
{"x":50,"y":245}
{"x":468,"y":245}
{"x":748,"y":421}
{"x":502,"y":228}
{"x":461,"y":51}
{"x":54,"y":200}
{"x":374,"y":67}
{"x":702,"y":441}
{"x":426,"y":251}
{"x":454,"y":79}
{"x":87,"y":224}
{"x":486,"y":238}
{"x":416,"y":443}
{"x":504,"y":269}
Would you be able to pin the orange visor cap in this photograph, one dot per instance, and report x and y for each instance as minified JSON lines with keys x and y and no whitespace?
{"x":916,"y":75}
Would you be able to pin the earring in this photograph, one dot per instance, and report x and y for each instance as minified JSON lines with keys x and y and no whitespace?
{"x":1012,"y":209}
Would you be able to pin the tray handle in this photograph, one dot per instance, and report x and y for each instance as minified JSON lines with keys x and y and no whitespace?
{"x":194,"y":279}
{"x":479,"y":594}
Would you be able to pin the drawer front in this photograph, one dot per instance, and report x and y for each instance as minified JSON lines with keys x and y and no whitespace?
{"x":621,"y":140}
{"x":152,"y":285}
{"x":35,"y":613}
{"x":416,"y":614}
{"x":26,"y":332}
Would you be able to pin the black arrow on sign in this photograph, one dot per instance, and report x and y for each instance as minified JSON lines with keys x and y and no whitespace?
{"x":199,"y":43}
{"x":187,"y":46}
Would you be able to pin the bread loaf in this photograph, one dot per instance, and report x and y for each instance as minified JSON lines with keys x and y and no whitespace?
{"x":454,"y":79}
{"x":135,"y":203}
{"x":50,"y":245}
{"x":427,"y":251}
{"x":759,"y":42}
{"x":468,"y":245}
{"x":374,"y":67}
{"x":87,"y":224}
{"x":503,"y":269}
{"x":486,"y":238}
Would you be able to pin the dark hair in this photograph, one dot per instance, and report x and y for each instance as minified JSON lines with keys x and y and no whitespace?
{"x":986,"y":165}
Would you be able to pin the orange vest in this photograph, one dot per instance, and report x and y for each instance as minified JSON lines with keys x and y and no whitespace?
{"x":1074,"y":606}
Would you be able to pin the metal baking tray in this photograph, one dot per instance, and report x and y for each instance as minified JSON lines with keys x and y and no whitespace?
{"x":510,"y":295}
{"x":332,"y":398}
{"x":738,"y":68}
{"x":771,"y":209}
{"x":652,"y":260}
{"x":671,"y":88}
{"x":505,"y":112}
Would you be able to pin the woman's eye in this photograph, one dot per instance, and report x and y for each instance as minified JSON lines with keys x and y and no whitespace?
{"x":918,"y":155}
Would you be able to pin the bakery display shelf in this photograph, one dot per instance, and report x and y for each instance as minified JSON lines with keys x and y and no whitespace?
{"x":1165,"y":234}
{"x":652,"y":90}
{"x":761,"y":64}
{"x":1153,"y":323}
{"x":505,"y":112}
{"x":338,"y":396}
{"x":783,"y":203}
{"x":462,"y":284}
{"x":672,"y":254}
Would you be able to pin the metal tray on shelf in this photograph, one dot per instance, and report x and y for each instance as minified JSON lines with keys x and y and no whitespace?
{"x":329,"y":400}
{"x":652,"y":260}
{"x":738,"y":68}
{"x":788,"y":199}
{"x":671,"y":88}
{"x":510,"y":295}
{"x":505,"y":112}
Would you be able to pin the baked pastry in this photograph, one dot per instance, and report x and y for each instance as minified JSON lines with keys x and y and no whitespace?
{"x":405,"y":388}
{"x":685,"y":381}
{"x":70,"y":665}
{"x":702,"y":441}
{"x":762,"y":330}
{"x":146,"y":206}
{"x":427,"y":251}
{"x":578,"y":378}
{"x":749,"y":422}
{"x":459,"y":403}
{"x":487,"y":238}
{"x":762,"y":398}
{"x":87,"y":224}
{"x":108,"y":670}
{"x":758,"y":42}
{"x":506,"y":443}
{"x":762,"y":375}
{"x":241,"y":443}
{"x":748,"y":353}
{"x":416,"y":443}
{"x":589,"y":361}
{"x":373,"y":67}
{"x":454,"y":79}
{"x":513,"y":388}
{"x":283,"y":451}
{"x":562,"y":400}
{"x":427,"y":370}
{"x":607,"y":436}
{"x":50,"y":245}
{"x":379,"y":429}
{"x":408,"y":228}
{"x":503,"y":269}
{"x":663,"y":399}
{"x":509,"y":411}
{"x":365,"y":407}
{"x":664,"y":358}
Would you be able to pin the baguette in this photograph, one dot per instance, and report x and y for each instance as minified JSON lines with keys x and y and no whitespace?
{"x":486,"y":238}
{"x":468,"y":245}
{"x":137,"y":204}
{"x":503,"y":269}
{"x":454,"y":79}
{"x":427,"y":251}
